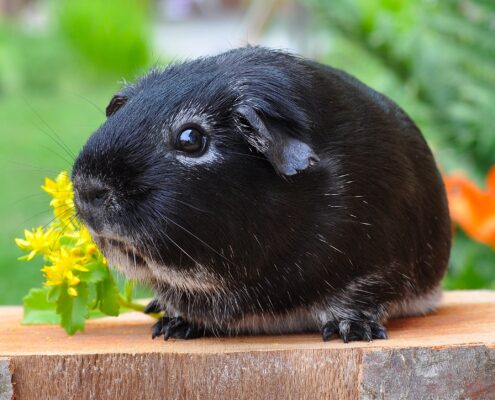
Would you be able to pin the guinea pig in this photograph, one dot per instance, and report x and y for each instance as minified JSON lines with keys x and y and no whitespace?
{"x":258,"y":192}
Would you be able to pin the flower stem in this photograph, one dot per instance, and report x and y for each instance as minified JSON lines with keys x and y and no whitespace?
{"x":136,"y":307}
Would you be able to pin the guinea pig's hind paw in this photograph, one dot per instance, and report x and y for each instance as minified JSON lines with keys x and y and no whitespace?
{"x":351,"y":330}
{"x":177,"y":328}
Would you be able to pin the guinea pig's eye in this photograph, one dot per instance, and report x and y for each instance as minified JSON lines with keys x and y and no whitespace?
{"x":191,"y":140}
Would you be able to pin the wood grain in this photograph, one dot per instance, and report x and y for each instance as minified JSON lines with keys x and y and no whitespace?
{"x":423,"y":373}
{"x":449,"y":353}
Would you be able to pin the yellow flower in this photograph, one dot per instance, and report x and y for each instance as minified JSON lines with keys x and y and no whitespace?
{"x":66,"y":244}
{"x":86,"y":245}
{"x":62,"y":270}
{"x":84,"y":236}
{"x":56,"y":277}
{"x":91,"y":250}
{"x":38,"y":242}
{"x":63,"y":197}
{"x":68,"y":260}
{"x":60,"y":187}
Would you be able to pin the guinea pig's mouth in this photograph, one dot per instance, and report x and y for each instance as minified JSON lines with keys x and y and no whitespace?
{"x":130,"y":251}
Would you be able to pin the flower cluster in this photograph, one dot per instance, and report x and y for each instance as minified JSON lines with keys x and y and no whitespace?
{"x":78,"y":283}
{"x":65,"y":244}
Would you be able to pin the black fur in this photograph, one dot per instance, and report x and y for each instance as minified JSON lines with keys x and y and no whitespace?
{"x":322,"y":195}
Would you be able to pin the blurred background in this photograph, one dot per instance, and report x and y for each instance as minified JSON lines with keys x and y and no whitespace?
{"x":61,"y":62}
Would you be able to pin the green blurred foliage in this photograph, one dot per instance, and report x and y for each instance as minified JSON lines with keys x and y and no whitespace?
{"x":471,"y":265}
{"x":111,"y":34}
{"x":85,"y":41}
{"x":437,"y":60}
{"x":30,"y":62}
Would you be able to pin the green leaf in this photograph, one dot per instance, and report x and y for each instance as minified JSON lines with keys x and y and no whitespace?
{"x":38,"y":309}
{"x":54,"y":293}
{"x":97,"y":273}
{"x":108,"y":296}
{"x":73,"y":310}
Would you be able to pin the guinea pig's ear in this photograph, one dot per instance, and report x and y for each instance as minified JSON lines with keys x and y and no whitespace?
{"x":116,"y":102}
{"x":287,"y":154}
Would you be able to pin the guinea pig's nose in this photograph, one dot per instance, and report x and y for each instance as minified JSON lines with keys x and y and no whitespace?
{"x":90,"y":197}
{"x":93,"y":196}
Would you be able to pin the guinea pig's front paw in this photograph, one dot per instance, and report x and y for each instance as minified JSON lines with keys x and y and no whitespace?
{"x":177,"y":328}
{"x":351,"y":330}
{"x":153,"y":307}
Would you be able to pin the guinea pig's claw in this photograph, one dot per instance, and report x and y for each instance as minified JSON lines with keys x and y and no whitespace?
{"x":176,"y":327}
{"x":352,"y":330}
{"x":378,"y":330}
{"x":156,"y":330}
{"x":329,"y":329}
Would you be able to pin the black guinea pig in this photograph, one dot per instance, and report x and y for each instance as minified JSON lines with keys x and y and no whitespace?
{"x":259,"y":192}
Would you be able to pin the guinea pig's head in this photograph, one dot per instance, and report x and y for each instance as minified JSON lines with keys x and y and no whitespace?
{"x":198,"y":164}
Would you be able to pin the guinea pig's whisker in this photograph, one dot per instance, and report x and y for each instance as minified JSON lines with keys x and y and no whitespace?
{"x":30,"y":167}
{"x":53,"y":136}
{"x":63,"y":158}
{"x":60,"y":234}
{"x":169,"y":220}
{"x":71,"y":158}
{"x":21,"y":228}
{"x":28,"y":172}
{"x":36,"y":196}
{"x":181,"y":249}
{"x":46,"y":210}
{"x":65,"y":214}
{"x":150,"y":238}
{"x":199,"y":239}
{"x":96,"y":106}
{"x":62,"y":231}
{"x":248,"y":155}
{"x":191,"y":206}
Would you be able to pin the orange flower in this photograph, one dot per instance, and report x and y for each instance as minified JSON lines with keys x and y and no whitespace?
{"x":473,"y":208}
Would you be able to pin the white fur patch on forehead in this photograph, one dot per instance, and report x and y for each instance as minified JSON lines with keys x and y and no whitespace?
{"x":189,"y":114}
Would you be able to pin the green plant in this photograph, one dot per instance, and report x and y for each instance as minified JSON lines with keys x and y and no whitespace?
{"x":78,"y":283}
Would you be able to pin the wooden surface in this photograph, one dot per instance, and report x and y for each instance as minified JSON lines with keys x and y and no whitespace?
{"x":449,"y":354}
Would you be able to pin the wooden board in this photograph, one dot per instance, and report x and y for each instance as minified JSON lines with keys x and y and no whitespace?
{"x":449,"y":354}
